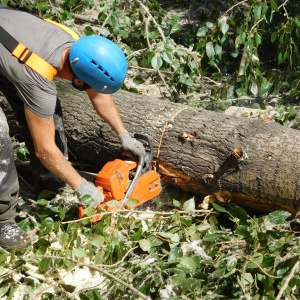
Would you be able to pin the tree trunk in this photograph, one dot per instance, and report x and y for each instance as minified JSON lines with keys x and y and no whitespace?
{"x":247,"y":161}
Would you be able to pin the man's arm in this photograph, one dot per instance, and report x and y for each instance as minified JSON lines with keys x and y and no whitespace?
{"x":107,"y":110}
{"x":43,"y":134}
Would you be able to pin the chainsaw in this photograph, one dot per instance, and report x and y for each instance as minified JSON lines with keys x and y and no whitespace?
{"x":124,"y":180}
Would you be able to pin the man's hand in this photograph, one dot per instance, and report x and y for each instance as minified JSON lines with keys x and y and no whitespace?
{"x":131,"y":144}
{"x":87,"y":188}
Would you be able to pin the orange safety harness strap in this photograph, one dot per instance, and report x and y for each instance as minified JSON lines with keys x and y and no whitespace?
{"x":65,"y":28}
{"x":25,"y":56}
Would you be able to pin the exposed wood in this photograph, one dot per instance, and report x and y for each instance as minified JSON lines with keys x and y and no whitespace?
{"x":247,"y":161}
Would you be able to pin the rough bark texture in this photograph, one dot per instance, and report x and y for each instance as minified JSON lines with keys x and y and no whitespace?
{"x":195,"y":149}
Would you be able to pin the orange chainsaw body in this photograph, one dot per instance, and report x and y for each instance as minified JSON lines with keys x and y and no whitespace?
{"x":114,"y":180}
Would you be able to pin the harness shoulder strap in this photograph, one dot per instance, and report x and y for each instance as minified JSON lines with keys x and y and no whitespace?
{"x":65,"y":28}
{"x":25,"y":56}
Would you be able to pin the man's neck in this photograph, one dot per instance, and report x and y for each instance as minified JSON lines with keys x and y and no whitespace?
{"x":65,"y":72}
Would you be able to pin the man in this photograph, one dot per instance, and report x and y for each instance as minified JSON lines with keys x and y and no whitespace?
{"x":94,"y":64}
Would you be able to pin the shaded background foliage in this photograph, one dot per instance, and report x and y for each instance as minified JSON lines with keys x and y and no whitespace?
{"x":246,"y":48}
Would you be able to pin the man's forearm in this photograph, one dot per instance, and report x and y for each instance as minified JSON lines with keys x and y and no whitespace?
{"x":56,"y":163}
{"x":107,"y":110}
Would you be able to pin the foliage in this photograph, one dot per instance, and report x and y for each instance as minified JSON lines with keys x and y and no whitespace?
{"x":242,"y":48}
{"x":235,"y":49}
{"x":179,"y":254}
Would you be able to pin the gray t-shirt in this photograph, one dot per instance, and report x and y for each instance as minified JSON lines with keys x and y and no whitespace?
{"x":46,"y":40}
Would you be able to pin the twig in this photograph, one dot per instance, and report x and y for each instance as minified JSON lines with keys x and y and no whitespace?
{"x":107,"y":274}
{"x":149,"y":46}
{"x":266,"y":273}
{"x":171,"y":213}
{"x":243,"y":61}
{"x":153,"y":20}
{"x":232,"y":7}
{"x":288,"y":279}
{"x":105,"y":21}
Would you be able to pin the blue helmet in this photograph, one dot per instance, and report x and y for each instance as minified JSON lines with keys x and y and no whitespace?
{"x":99,"y":62}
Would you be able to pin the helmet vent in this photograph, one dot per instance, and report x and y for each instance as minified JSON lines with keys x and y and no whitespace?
{"x":102,"y":70}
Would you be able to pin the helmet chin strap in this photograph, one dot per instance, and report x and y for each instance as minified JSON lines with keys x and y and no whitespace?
{"x":82,"y":87}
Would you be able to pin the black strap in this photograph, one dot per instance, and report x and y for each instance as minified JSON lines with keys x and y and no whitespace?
{"x":7,"y":40}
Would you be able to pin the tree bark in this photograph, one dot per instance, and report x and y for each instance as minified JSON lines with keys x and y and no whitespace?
{"x":218,"y":157}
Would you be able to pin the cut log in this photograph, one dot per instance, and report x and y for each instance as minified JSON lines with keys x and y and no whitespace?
{"x":218,"y":157}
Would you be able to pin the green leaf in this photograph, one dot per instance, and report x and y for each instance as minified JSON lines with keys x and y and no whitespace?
{"x":91,"y":295}
{"x":210,"y":25}
{"x":284,"y":267}
{"x":88,"y":30}
{"x":257,"y":38}
{"x":213,"y":237}
{"x":86,"y":200}
{"x":254,"y":88}
{"x":201,"y":32}
{"x":265,"y":85}
{"x":69,"y":288}
{"x":247,"y":279}
{"x":240,"y":214}
{"x":98,"y":241}
{"x":210,"y":50}
{"x":189,"y":205}
{"x":268,"y":16}
{"x":145,"y":245}
{"x":218,"y":207}
{"x":257,"y":12}
{"x":156,"y":62}
{"x":45,"y":264}
{"x":131,"y":202}
{"x":64,"y":238}
{"x":188,"y":262}
{"x":176,"y":203}
{"x":4,"y":290}
{"x":292,"y":113}
{"x":223,"y":25}
{"x":274,"y":36}
{"x":23,"y":154}
{"x":136,"y":236}
{"x":99,"y":257}
{"x":234,"y":53}
{"x":257,"y":259}
{"x":47,"y":224}
{"x":218,"y":51}
{"x":172,"y":238}
{"x":267,"y":262}
{"x":274,"y":6}
{"x":113,"y":203}
{"x":297,"y":21}
{"x":278,"y":217}
{"x":167,"y":57}
{"x":42,"y":202}
{"x":88,"y":211}
{"x":43,"y":6}
{"x":78,"y":252}
{"x":243,"y":230}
